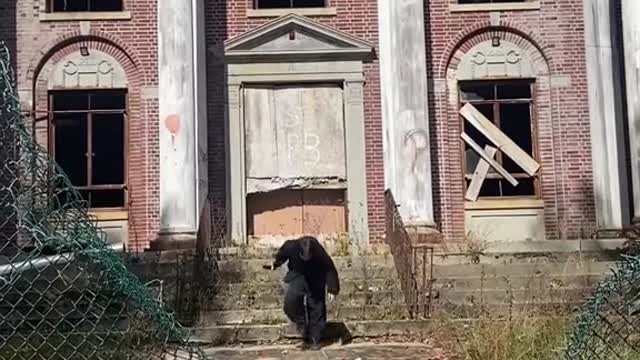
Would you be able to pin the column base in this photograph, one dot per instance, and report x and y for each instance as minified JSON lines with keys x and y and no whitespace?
{"x":175,"y":241}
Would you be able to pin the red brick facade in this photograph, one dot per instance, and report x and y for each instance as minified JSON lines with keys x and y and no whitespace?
{"x":553,"y":35}
{"x":133,"y":43}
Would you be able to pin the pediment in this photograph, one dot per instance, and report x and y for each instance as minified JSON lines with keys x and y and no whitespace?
{"x":296,"y":37}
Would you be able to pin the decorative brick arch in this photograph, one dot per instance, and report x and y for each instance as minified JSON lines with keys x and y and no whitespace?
{"x":483,"y":31}
{"x":40,"y":68}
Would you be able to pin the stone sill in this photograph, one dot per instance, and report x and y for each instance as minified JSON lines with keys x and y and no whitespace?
{"x":515,"y":6}
{"x":326,"y":11}
{"x":86,"y":16}
{"x":109,"y":215}
{"x":504,"y":204}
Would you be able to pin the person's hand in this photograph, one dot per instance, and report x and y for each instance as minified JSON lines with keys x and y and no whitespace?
{"x":331,"y":297}
{"x":267,"y":267}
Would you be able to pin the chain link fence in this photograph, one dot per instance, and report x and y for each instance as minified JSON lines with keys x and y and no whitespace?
{"x":64,"y":292}
{"x":608,"y":326}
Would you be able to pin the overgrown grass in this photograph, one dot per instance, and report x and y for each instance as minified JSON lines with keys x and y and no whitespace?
{"x":521,"y":330}
{"x":522,"y":338}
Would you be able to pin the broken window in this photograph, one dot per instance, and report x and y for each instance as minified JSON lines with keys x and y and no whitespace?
{"x":279,"y":4}
{"x":88,"y":139}
{"x":85,"y":5}
{"x":506,"y":108}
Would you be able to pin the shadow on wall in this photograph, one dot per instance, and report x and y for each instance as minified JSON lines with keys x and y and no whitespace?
{"x":216,"y":33}
{"x":8,"y":30}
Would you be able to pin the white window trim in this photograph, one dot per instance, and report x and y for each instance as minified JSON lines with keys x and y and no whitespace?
{"x":514,"y":6}
{"x":85,"y":15}
{"x":319,"y":11}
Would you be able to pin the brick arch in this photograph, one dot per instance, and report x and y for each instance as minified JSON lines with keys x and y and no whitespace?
{"x":55,"y":50}
{"x":483,"y":31}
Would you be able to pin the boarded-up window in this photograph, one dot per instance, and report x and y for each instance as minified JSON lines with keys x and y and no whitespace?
{"x":509,"y":105}
{"x":294,"y":132}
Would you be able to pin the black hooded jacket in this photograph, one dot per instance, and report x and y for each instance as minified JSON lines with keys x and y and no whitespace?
{"x":306,"y":257}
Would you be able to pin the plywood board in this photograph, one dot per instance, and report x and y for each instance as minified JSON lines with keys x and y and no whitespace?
{"x":482,"y":169}
{"x":294,"y":132}
{"x":310,"y":131}
{"x":260,"y":133}
{"x":324,"y":212}
{"x":502,"y":141}
{"x":296,"y":212}
{"x":275,"y":213}
{"x":474,"y":145}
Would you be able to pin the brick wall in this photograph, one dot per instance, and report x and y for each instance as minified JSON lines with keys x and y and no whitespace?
{"x":227,"y":19}
{"x":556,"y":31}
{"x":133,"y":43}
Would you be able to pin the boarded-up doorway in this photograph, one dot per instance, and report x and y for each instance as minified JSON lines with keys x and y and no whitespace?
{"x":295,"y":160}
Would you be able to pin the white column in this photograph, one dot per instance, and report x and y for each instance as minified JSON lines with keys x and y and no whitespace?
{"x":403,"y":70}
{"x":606,"y":115}
{"x":179,"y":142}
{"x":631,"y":36}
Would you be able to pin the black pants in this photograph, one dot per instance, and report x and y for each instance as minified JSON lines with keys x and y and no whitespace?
{"x":310,"y":318}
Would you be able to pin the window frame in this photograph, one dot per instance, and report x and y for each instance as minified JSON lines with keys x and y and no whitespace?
{"x":537,"y":182}
{"x":327,"y":4}
{"x":51,"y":141}
{"x":528,"y":5}
{"x":49,"y":5}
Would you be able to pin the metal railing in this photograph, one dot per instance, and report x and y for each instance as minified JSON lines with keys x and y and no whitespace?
{"x":413,"y":262}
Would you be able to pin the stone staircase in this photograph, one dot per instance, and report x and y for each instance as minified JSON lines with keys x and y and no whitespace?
{"x":243,"y":302}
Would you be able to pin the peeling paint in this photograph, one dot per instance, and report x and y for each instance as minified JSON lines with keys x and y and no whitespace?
{"x":261,"y":185}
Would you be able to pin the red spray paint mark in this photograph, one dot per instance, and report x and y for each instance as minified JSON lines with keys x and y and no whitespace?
{"x":172,"y":123}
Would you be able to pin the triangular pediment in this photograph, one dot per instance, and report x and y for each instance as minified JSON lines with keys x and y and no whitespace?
{"x":296,"y":36}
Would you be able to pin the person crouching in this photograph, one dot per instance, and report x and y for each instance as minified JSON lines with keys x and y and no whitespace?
{"x":311,"y":275}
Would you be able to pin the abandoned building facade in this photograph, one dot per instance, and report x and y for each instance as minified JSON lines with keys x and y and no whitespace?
{"x":265,"y":119}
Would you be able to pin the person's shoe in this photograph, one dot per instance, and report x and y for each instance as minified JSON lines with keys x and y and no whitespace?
{"x":312,"y":346}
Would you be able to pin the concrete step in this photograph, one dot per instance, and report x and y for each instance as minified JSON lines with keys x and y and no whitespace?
{"x":512,"y":296}
{"x":541,"y":281}
{"x":521,"y":269}
{"x":231,"y":334}
{"x":274,"y":300}
{"x":504,"y":311}
{"x":334,"y":311}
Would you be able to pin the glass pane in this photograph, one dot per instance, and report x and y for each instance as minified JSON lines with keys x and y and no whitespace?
{"x":71,"y":146}
{"x":308,"y":3}
{"x":526,"y":187}
{"x":475,"y":91}
{"x":490,"y":187}
{"x":70,"y":5}
{"x":106,"y":5}
{"x":107,"y":199}
{"x":515,"y":122}
{"x":108,"y":100}
{"x":108,"y":149}
{"x":70,"y":100}
{"x":514,"y":90}
{"x":273,"y":4}
{"x":471,"y":156}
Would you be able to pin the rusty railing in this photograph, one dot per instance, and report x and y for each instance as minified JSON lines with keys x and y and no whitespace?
{"x":413,"y":262}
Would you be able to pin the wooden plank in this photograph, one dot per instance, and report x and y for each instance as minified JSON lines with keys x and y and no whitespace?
{"x":474,"y":145}
{"x":502,"y":141}
{"x":480,"y":174}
